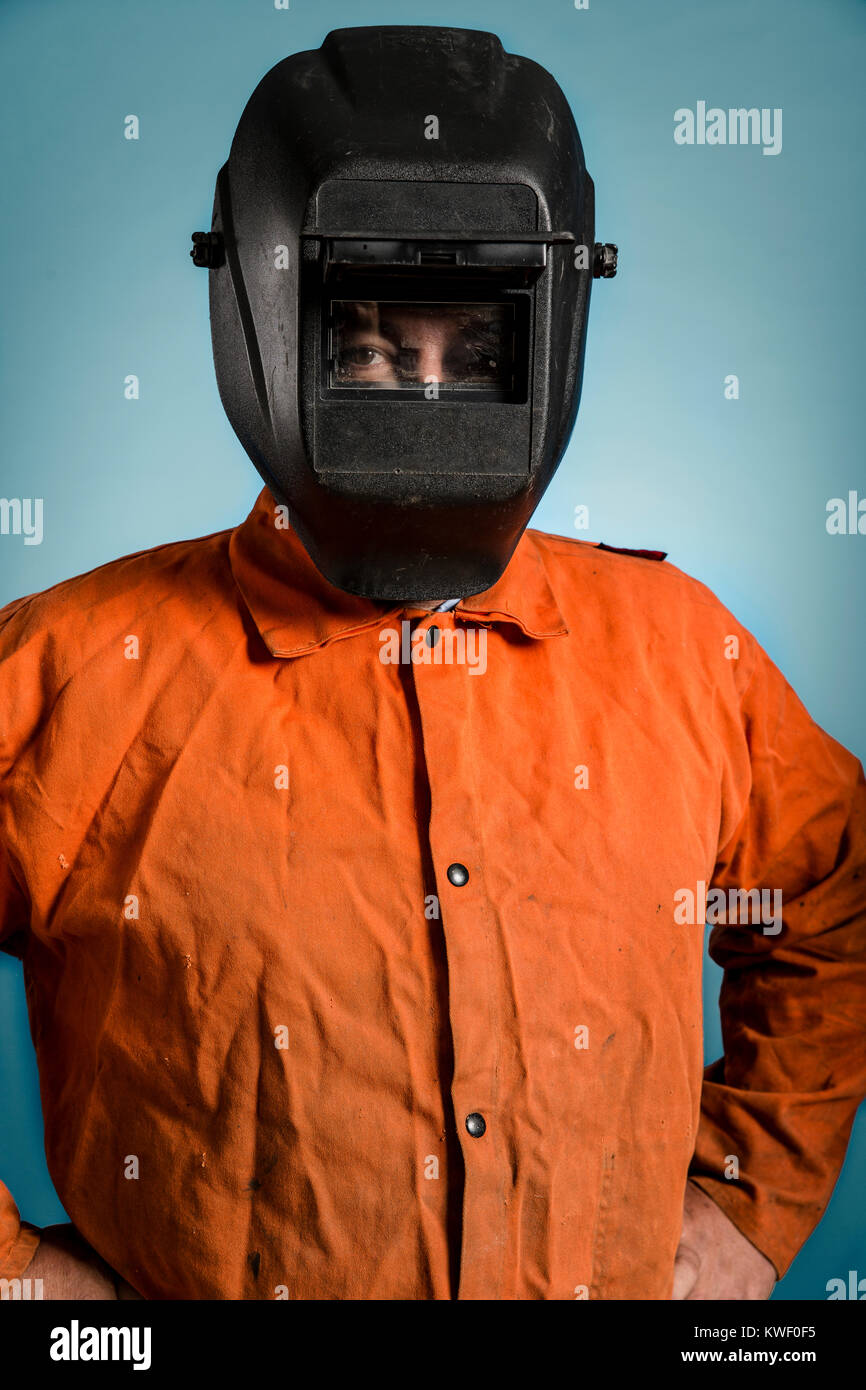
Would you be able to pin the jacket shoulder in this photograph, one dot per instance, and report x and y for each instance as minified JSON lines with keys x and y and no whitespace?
{"x":81,"y":609}
{"x":633,"y":603}
{"x":626,"y":550}
{"x":571,"y":563}
{"x":572,"y":546}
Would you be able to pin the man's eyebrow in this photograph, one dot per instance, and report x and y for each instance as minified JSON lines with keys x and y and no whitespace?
{"x":356,"y":330}
{"x":387,"y":329}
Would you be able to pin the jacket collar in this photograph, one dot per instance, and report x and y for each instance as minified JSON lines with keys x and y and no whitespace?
{"x":296,"y":610}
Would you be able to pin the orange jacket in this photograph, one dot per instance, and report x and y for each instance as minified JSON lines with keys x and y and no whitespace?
{"x":263,"y":1010}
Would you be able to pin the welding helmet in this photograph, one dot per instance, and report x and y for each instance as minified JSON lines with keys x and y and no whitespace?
{"x":400,"y":264}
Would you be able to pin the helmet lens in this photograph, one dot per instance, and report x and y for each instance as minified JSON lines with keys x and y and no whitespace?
{"x":389,"y":344}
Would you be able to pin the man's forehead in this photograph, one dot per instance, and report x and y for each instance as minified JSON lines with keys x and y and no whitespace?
{"x":428,"y":321}
{"x":368,"y":313}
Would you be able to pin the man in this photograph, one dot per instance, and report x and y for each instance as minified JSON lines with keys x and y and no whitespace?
{"x":359,"y":966}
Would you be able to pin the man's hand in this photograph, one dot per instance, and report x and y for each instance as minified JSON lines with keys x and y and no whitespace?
{"x":70,"y":1269}
{"x":714,"y":1258}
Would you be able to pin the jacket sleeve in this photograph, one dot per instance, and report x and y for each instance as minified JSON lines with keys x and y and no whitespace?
{"x":20,"y":703}
{"x":782,"y":1099}
{"x":18,"y":1239}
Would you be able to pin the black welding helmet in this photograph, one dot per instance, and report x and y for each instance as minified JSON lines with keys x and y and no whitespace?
{"x":400,"y":265}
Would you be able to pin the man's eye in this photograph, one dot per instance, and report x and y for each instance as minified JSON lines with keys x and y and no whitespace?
{"x":363,"y":357}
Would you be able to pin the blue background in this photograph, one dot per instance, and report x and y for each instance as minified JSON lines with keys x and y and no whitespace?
{"x":731,"y":262}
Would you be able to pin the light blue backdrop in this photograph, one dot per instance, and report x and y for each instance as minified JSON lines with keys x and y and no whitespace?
{"x":731,"y":262}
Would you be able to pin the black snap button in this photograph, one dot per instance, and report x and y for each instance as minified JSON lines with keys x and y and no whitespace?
{"x":476,"y":1124}
{"x":458,"y":874}
{"x":432,"y":636}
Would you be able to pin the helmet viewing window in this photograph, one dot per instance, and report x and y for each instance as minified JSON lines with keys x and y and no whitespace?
{"x":391,"y":344}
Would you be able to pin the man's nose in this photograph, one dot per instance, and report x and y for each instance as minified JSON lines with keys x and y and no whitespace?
{"x":430,"y":363}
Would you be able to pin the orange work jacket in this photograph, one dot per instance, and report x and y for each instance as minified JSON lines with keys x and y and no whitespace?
{"x":363,"y":964}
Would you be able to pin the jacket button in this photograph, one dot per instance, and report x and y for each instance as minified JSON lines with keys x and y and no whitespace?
{"x":476,"y":1124}
{"x":432,"y":636}
{"x":458,"y":874}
